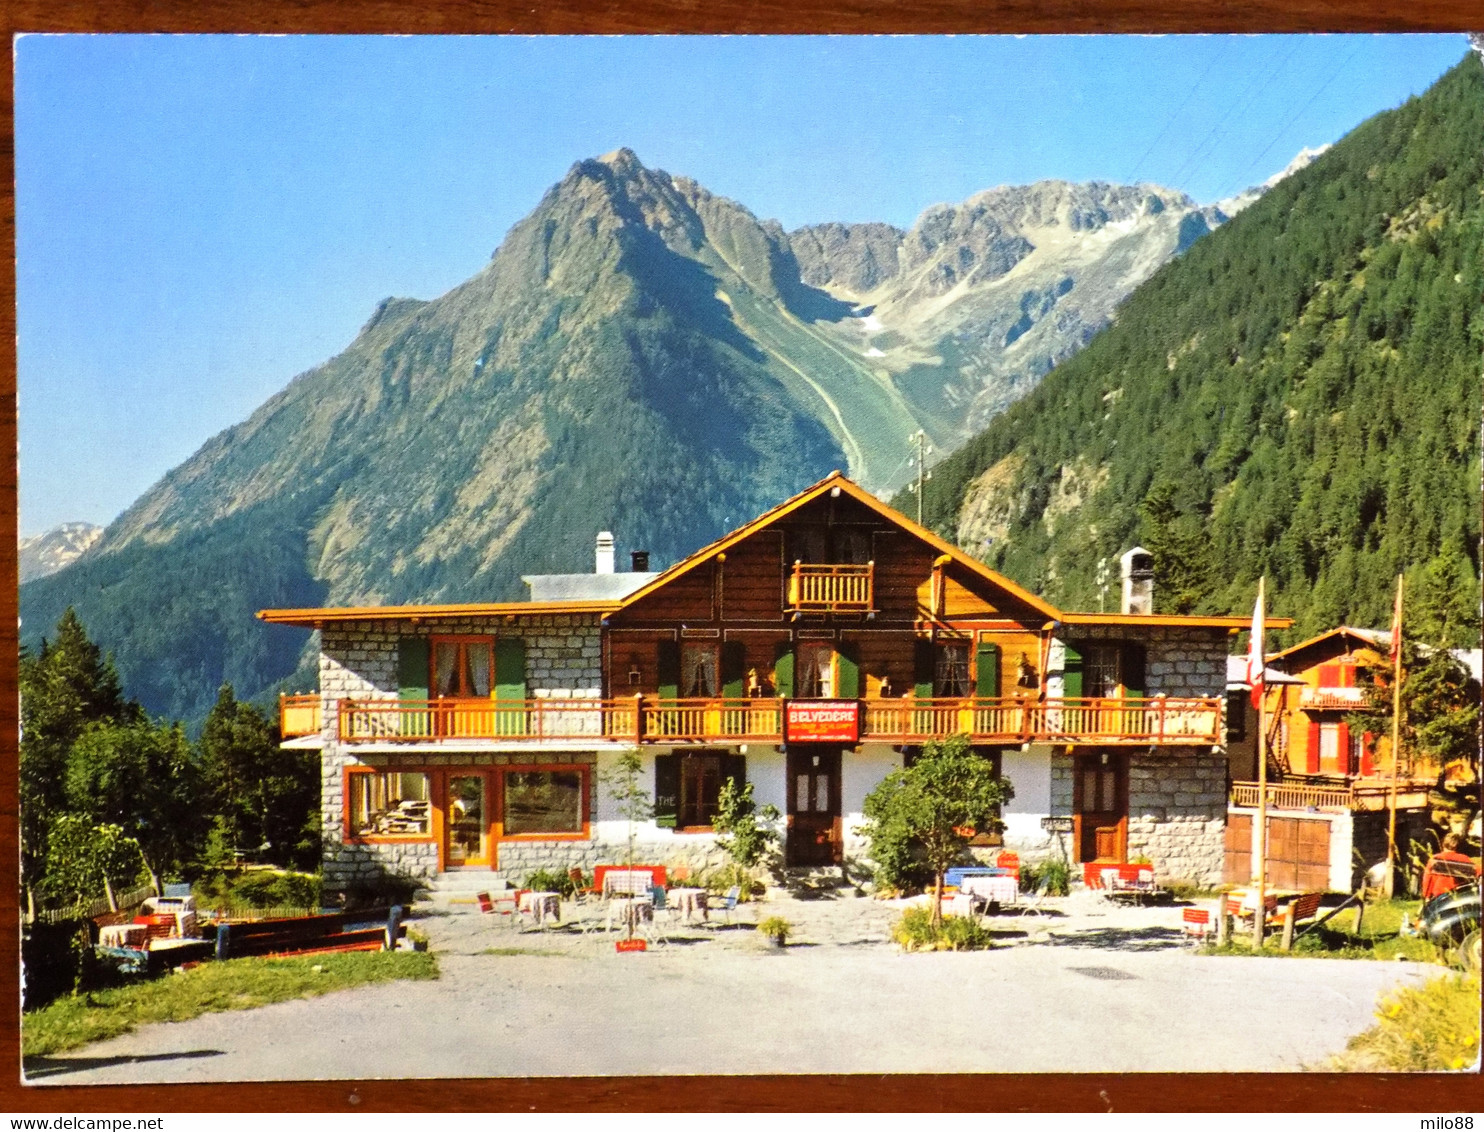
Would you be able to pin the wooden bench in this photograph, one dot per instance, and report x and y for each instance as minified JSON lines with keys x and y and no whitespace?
{"x":1300,"y":910}
{"x":309,"y":935}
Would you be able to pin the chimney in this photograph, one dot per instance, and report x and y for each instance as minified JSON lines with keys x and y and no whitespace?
{"x":605,"y":553}
{"x":639,"y":561}
{"x":1138,"y":581}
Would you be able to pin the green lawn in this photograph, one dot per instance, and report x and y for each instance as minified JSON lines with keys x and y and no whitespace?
{"x":1337,"y":939}
{"x":237,"y":984}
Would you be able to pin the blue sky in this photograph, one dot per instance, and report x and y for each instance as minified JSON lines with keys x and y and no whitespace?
{"x":201,"y":218}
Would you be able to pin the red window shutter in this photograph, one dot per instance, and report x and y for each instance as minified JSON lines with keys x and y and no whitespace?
{"x":1346,"y":761}
{"x":1311,"y":763}
{"x":1367,"y":752}
{"x":1347,"y":676}
{"x":1329,"y":675}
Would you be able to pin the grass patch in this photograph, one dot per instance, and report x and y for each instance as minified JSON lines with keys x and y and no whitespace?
{"x":915,"y":932}
{"x":1377,"y":939}
{"x":237,"y":984}
{"x":1432,"y":1027}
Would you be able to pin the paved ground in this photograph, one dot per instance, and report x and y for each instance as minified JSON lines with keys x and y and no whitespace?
{"x":1088,"y":988}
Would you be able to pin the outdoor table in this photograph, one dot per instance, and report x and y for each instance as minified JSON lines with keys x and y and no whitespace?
{"x":961,"y":904}
{"x":689,"y":901}
{"x":992,"y":889}
{"x":631,"y":882}
{"x":541,"y":905}
{"x":630,"y":910}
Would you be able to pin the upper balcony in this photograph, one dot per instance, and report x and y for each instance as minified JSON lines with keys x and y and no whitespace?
{"x":640,"y":719}
{"x":1333,"y":699}
{"x":815,"y":588}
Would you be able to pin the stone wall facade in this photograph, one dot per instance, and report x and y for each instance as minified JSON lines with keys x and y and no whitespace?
{"x":1178,"y":662}
{"x":359,"y":661}
{"x":1177,"y":813}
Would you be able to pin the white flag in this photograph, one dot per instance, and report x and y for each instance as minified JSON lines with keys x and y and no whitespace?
{"x":1256,"y":660}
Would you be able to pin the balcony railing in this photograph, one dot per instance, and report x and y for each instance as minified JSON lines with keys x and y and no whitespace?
{"x":1335,"y":699}
{"x":831,"y":589}
{"x":1293,"y":796}
{"x":648,"y":719}
{"x":298,"y":716}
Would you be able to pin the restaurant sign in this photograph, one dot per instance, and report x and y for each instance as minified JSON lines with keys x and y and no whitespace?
{"x":823,"y":721}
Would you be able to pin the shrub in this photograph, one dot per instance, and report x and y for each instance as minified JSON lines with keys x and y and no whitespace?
{"x":775,"y":927}
{"x":553,"y":880}
{"x":915,"y":931}
{"x":738,"y":828}
{"x":732,"y":875}
{"x":259,"y":888}
{"x":1054,"y":875}
{"x":1419,"y":1029}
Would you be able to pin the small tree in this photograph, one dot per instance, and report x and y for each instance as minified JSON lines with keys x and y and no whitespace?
{"x":739,"y":824}
{"x":623,"y":783}
{"x":935,"y":806}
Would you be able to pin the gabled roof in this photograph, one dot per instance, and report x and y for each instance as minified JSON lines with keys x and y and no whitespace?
{"x":1365,"y":638}
{"x":837,"y":482}
{"x":314,"y":618}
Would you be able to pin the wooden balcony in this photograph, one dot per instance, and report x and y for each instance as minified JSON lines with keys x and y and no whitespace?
{"x":831,"y":589}
{"x":648,"y":719}
{"x":1293,"y":796}
{"x":298,"y":716}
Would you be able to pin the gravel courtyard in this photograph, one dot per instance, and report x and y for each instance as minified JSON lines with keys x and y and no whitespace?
{"x":1087,"y":987}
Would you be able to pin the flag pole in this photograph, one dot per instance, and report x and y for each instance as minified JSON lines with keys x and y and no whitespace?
{"x":1396,"y":738}
{"x":1261,"y":848}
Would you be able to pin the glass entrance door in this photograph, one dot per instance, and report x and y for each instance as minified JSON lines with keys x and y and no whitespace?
{"x":468,"y":821}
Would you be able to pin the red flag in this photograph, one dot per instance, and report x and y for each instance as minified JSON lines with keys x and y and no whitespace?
{"x":1256,"y":659}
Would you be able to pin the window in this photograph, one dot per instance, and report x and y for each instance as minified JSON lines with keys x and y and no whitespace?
{"x":388,"y":804}
{"x":543,"y":801}
{"x":1236,"y":715}
{"x":1100,"y":672}
{"x":816,"y":679}
{"x":698,"y":671}
{"x":462,"y":666}
{"x":951,"y":676}
{"x":700,"y":787}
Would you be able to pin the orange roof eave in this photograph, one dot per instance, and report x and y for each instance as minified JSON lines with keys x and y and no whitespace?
{"x":1173,"y":620}
{"x":312,"y":618}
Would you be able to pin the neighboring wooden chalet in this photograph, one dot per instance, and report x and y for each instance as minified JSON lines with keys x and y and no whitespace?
{"x":809,"y":652}
{"x":1329,"y":781}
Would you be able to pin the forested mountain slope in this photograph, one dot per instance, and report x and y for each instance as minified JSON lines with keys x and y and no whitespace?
{"x":1298,"y":396}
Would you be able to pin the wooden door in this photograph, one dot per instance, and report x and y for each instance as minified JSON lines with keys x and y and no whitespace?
{"x":1100,"y":806}
{"x":1238,"y":864}
{"x":1298,"y":854}
{"x":468,"y":811}
{"x":813,"y":807}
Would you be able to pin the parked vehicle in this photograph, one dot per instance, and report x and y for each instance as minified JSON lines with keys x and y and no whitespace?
{"x":1451,"y":921}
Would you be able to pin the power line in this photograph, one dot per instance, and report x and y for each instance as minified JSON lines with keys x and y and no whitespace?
{"x":1176,"y":115}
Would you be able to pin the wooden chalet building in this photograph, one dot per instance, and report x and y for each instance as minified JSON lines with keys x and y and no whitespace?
{"x":809,"y":652}
{"x":1329,"y":783}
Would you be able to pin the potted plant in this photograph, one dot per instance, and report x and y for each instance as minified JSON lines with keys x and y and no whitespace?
{"x":417,"y":939}
{"x":775,"y":929}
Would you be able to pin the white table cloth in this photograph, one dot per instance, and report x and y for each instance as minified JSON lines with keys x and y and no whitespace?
{"x":994,"y":890}
{"x":689,"y":901}
{"x":633,"y":909}
{"x":542,"y":906}
{"x":633,"y":882}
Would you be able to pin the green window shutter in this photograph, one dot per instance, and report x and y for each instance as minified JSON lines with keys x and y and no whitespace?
{"x":987,"y":670}
{"x":666,"y":787}
{"x":412,"y":668}
{"x":669,"y":670}
{"x":783,"y":669}
{"x":1071,"y":683}
{"x":847,"y":671}
{"x":924,"y":668}
{"x":1131,"y":670}
{"x":733,"y":670}
{"x":510,"y":685}
{"x":510,"y":668}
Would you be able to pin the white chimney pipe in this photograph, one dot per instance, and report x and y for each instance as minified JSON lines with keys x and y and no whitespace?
{"x":1138,"y":581}
{"x":605,"y":553}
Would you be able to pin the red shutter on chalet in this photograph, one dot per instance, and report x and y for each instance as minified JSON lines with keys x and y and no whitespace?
{"x":1311,"y":762}
{"x":1367,"y":754}
{"x":1345,"y":759}
{"x":1329,"y":675}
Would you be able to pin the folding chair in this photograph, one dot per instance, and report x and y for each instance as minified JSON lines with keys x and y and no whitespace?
{"x":1030,"y":903}
{"x":1196,"y":923}
{"x":729,"y":901}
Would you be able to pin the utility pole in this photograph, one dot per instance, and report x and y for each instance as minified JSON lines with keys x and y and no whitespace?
{"x":924,"y":450}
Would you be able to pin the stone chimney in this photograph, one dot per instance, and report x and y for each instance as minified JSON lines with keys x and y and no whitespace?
{"x":1138,"y":581}
{"x":605,"y":553}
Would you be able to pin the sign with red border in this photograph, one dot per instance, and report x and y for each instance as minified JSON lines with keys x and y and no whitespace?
{"x":630,"y":945}
{"x":823,"y":721}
